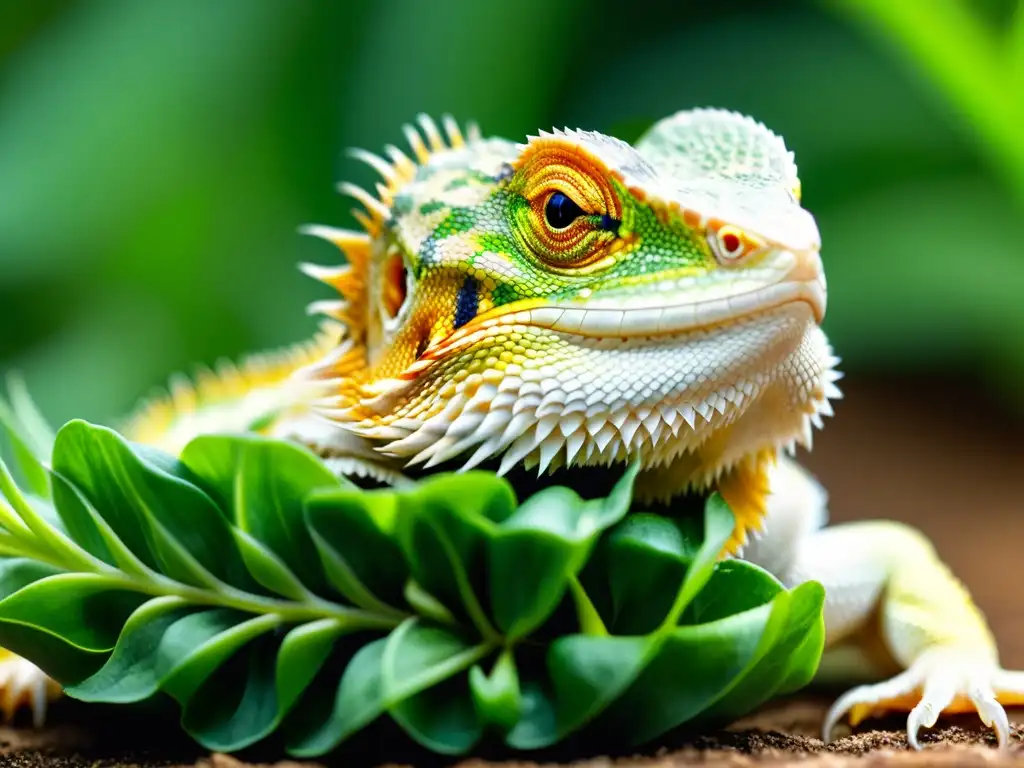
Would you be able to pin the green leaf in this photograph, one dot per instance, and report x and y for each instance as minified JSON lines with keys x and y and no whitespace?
{"x":36,"y":429}
{"x":719,"y":523}
{"x":802,"y":665}
{"x":141,"y":610}
{"x":143,"y":655}
{"x":212,"y":650}
{"x":30,"y":436}
{"x":426,"y":605}
{"x":587,"y":617}
{"x":418,"y":655}
{"x":28,"y":458}
{"x":442,"y":718}
{"x":236,"y":705}
{"x":735,"y":586}
{"x":263,"y":483}
{"x":545,"y":543}
{"x":692,"y":669}
{"x":303,"y":652}
{"x":64,"y":623}
{"x":497,"y":696}
{"x":360,"y":559}
{"x":18,"y":572}
{"x":86,"y":527}
{"x":788,"y":663}
{"x":640,"y":567}
{"x":146,"y":498}
{"x":84,"y":610}
{"x":165,"y":644}
{"x":588,"y":673}
{"x":268,"y":569}
{"x":538,"y":724}
{"x":359,"y":701}
{"x":442,"y":526}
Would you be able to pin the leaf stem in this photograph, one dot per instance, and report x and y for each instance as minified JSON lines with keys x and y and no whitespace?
{"x":14,"y":546}
{"x":35,"y":527}
{"x":469,"y":599}
{"x":42,"y":543}
{"x":243,"y":601}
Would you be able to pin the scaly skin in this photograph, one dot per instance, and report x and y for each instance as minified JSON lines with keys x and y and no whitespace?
{"x":579,"y":301}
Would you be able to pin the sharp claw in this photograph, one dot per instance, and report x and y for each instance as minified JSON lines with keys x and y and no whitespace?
{"x":991,"y":713}
{"x":924,"y":715}
{"x":38,"y":697}
{"x":938,"y":694}
{"x":1001,"y":723}
{"x":839,"y":710}
{"x":940,"y":680}
{"x":912,"y":737}
{"x":22,"y":684}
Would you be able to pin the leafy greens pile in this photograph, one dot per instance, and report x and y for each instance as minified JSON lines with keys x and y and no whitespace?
{"x":266,"y":595}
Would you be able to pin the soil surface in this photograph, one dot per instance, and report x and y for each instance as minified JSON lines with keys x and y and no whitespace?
{"x":894,"y":450}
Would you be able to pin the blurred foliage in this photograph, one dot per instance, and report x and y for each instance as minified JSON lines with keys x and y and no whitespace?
{"x":157,"y":158}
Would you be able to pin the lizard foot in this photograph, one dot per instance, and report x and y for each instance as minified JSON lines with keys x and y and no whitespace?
{"x":23,"y":684}
{"x":941,"y":681}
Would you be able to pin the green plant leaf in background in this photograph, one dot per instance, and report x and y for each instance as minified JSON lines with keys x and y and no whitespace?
{"x":252,"y":586}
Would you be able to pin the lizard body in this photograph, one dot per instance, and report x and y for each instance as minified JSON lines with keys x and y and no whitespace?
{"x":577,"y":301}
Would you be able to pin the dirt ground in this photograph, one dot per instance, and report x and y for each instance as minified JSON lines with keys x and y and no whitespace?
{"x":928,"y":454}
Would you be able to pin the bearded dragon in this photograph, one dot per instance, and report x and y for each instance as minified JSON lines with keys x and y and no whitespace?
{"x":577,"y":301}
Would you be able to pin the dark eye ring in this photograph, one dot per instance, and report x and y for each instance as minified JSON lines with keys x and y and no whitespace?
{"x":561,"y":211}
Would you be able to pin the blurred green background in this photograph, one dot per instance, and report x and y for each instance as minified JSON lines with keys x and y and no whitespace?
{"x":157,"y":157}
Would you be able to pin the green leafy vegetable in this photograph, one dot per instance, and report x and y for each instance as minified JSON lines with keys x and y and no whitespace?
{"x":266,"y":595}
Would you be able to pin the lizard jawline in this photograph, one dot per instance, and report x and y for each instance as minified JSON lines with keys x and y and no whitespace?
{"x":671,"y":320}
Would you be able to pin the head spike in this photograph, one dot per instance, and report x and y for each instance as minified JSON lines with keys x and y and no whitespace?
{"x":416,"y":143}
{"x":348,"y":280}
{"x":374,"y":207}
{"x":372,"y":227}
{"x":355,"y":245}
{"x":405,"y":167}
{"x":430,"y":131}
{"x":378,"y":163}
{"x":327,"y":275}
{"x":451,"y":128}
{"x":332,"y":308}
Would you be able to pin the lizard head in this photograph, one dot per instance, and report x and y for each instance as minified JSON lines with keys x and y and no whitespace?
{"x":578,"y":300}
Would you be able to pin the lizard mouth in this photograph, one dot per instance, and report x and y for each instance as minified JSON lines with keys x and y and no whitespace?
{"x":669,"y":320}
{"x":804,"y":282}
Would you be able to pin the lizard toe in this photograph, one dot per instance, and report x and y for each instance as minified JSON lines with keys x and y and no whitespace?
{"x":942,"y":681}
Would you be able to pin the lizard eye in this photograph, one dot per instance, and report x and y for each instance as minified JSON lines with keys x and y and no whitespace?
{"x":565,"y":209}
{"x":730,"y":244}
{"x":561,"y":210}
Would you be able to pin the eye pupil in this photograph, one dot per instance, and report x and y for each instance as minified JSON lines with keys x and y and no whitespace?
{"x":561,"y":211}
{"x":731,"y":242}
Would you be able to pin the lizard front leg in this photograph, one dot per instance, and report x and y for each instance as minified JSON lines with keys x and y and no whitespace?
{"x":887,"y":591}
{"x":24,"y":685}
